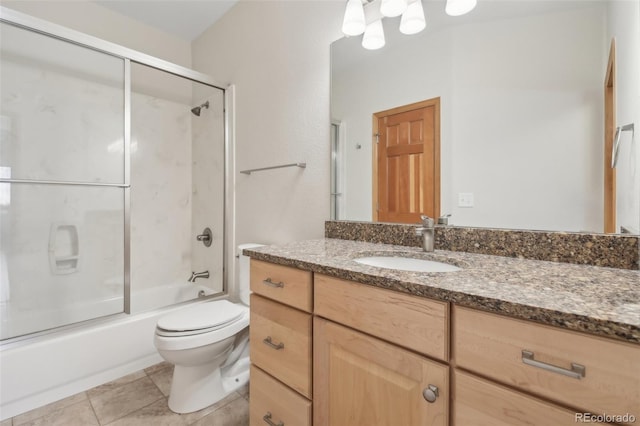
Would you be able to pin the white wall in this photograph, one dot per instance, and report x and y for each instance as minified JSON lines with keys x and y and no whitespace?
{"x":93,"y":19}
{"x":521,"y":115}
{"x":624,"y":24}
{"x":277,"y":55}
{"x":533,"y":157}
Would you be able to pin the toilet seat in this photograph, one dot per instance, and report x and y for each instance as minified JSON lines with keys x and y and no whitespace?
{"x":199,"y":319}
{"x":231,"y":320}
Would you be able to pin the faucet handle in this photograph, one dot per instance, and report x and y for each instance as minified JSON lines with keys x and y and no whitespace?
{"x":426,"y":221}
{"x":444,"y":219}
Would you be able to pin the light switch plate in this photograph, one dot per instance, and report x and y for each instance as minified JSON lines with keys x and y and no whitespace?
{"x":465,"y":199}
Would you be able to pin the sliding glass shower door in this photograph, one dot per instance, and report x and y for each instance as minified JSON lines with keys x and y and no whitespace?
{"x":112,"y":181}
{"x":177,"y":188}
{"x":62,"y":196}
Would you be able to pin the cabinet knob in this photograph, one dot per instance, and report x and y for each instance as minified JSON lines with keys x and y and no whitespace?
{"x":430,"y":393}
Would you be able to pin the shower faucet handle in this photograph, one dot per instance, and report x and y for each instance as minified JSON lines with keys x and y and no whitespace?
{"x":206,"y":237}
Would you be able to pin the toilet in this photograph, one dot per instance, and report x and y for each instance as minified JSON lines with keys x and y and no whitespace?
{"x":209,"y":345}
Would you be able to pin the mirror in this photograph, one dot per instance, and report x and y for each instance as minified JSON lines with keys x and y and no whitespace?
{"x":521,"y":88}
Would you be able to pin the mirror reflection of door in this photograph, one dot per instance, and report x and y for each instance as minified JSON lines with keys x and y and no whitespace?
{"x":406,"y":162}
{"x":609,"y":129}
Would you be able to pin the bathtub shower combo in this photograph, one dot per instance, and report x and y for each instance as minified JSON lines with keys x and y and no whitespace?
{"x":113,"y":180}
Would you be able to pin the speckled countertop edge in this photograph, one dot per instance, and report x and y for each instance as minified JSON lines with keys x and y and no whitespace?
{"x":596,"y":300}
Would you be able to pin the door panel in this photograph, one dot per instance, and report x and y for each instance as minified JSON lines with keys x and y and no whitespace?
{"x":407,"y":163}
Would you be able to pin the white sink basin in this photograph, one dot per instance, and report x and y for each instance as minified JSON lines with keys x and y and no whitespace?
{"x":407,"y":264}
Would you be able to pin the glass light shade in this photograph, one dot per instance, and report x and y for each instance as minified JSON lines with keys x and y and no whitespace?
{"x":392,"y":8}
{"x":373,"y":36}
{"x":412,"y":21}
{"x":354,"y":23}
{"x":459,"y":7}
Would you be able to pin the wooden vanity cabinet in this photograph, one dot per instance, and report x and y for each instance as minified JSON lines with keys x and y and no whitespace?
{"x":584,"y":373}
{"x":281,"y":345}
{"x":331,"y":352}
{"x":369,"y":347}
{"x":479,"y":402}
{"x":273,"y":401}
{"x":416,"y":323}
{"x":360,"y":380}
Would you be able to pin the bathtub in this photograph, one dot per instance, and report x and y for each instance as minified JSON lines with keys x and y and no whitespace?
{"x":43,"y":369}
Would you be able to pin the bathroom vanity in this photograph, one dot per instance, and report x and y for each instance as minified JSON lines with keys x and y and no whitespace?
{"x":502,"y":341}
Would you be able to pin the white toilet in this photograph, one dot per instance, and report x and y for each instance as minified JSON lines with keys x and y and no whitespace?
{"x":209,"y":345}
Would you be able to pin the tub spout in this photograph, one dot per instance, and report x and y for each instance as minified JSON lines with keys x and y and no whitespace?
{"x":196,"y":275}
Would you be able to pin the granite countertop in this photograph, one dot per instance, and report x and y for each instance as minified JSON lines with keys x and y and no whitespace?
{"x":597,"y":300}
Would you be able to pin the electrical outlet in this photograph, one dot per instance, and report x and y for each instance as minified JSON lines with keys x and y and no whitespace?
{"x":465,"y":199}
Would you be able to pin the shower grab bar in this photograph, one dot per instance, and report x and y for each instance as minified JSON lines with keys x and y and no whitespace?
{"x":248,"y":172}
{"x":616,"y":142}
{"x":60,"y":182}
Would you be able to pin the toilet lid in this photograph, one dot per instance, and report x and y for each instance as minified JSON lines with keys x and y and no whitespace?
{"x":205,"y":315}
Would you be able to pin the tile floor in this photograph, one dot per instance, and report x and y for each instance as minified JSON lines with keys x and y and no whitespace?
{"x":139,"y":399}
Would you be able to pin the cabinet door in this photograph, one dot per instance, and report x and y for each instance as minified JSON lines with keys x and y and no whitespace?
{"x":362,"y":381}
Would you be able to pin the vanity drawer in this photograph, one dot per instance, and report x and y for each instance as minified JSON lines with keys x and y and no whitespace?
{"x":271,"y":400}
{"x":478,"y":402}
{"x":413,"y":322}
{"x":281,"y":342}
{"x":287,"y":285}
{"x":504,"y":349}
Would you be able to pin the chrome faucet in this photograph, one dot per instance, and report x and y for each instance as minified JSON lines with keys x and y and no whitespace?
{"x":426,"y":231}
{"x":196,"y":275}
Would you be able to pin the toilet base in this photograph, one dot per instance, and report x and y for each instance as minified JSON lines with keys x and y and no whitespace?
{"x":194,"y":388}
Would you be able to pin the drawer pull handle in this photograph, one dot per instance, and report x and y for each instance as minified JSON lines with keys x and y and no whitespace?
{"x":267,"y":419}
{"x":577,"y":371}
{"x":267,"y":341}
{"x":270,"y":283}
{"x":431,"y":393}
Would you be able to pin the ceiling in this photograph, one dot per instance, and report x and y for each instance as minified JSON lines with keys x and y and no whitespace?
{"x":186,"y":19}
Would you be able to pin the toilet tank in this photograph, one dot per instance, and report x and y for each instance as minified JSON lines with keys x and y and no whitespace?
{"x":243,"y":272}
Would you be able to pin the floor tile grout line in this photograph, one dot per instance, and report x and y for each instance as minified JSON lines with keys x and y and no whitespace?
{"x":154,"y":382}
{"x":124,"y":384}
{"x":93,"y":409}
{"x":51,"y":412}
{"x":133,"y":412}
{"x":217,"y":409}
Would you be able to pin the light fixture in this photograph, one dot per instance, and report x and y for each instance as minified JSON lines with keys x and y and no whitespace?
{"x":393,"y":8}
{"x":373,"y":36}
{"x":412,"y":21}
{"x":365,"y":16}
{"x":354,"y":23}
{"x":459,"y":7}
